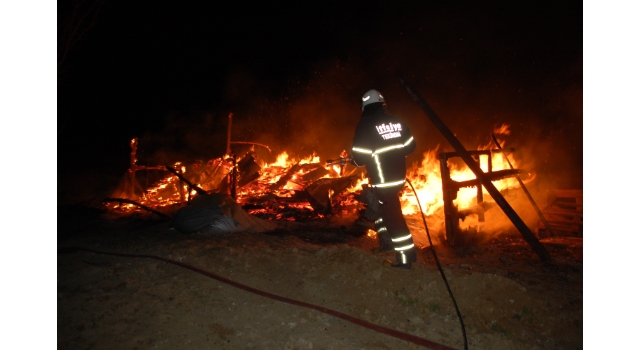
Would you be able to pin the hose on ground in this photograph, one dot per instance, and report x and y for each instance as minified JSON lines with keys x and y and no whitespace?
{"x":388,"y":331}
{"x":455,"y":304}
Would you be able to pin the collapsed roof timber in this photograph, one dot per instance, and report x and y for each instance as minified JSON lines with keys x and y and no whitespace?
{"x":305,"y":190}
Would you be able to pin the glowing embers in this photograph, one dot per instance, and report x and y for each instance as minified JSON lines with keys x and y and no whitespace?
{"x":276,"y":191}
{"x":301,"y":189}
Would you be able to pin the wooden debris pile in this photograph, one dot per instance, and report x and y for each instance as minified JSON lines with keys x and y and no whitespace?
{"x":300,"y":191}
{"x":563,"y":212}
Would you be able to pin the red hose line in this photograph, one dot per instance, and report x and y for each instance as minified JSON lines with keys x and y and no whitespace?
{"x":388,"y":331}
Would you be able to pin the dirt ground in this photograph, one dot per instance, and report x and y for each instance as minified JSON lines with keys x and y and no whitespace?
{"x":508,"y":297}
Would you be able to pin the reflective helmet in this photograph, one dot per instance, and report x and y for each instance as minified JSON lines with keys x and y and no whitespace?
{"x":371,"y":96}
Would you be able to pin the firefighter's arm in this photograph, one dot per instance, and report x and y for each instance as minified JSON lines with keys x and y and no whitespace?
{"x":409,"y":143}
{"x":360,"y":151}
{"x":353,"y":162}
{"x":358,"y":157}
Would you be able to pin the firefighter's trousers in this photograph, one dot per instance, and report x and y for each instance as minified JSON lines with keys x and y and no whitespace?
{"x":391,"y":221}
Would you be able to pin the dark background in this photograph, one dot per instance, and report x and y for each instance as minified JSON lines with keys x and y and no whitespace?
{"x":293,"y":72}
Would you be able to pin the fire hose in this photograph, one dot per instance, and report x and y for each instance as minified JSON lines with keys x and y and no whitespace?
{"x":444,"y":278}
{"x":344,"y":160}
{"x":384,"y":330}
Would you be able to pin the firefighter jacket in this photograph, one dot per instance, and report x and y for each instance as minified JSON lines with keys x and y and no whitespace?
{"x":381,"y":143}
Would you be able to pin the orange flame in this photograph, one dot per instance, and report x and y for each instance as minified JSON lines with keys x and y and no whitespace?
{"x":427,"y":181}
{"x":424,"y":176}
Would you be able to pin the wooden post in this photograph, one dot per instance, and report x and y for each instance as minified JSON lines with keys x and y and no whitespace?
{"x":229,"y":133}
{"x":234,"y":178}
{"x":183,"y":179}
{"x":449,"y":193}
{"x":524,"y":188}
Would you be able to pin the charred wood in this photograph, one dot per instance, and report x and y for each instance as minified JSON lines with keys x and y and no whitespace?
{"x":128,"y":201}
{"x":248,"y":170}
{"x":476,"y":153}
{"x":533,"y":241}
{"x":493,"y":176}
{"x":319,"y":195}
{"x":285,"y":178}
{"x":315,"y":174}
{"x":182,"y":178}
{"x":563,"y":213}
{"x":247,"y":179}
{"x":234,"y":179}
{"x":215,"y":175}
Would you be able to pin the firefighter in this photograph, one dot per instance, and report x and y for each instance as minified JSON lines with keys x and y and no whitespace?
{"x":381,"y":143}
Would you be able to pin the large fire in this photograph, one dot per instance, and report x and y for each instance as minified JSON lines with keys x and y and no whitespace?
{"x":288,"y":176}
{"x":427,"y":181}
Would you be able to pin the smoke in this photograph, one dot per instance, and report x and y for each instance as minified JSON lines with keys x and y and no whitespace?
{"x":471,"y":230}
{"x":317,"y":113}
{"x":475,"y":77}
{"x":196,"y":135}
{"x":476,"y":72}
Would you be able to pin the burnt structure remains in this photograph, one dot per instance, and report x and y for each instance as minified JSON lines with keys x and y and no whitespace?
{"x":451,"y":187}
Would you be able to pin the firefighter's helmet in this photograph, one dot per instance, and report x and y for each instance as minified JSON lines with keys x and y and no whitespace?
{"x":371,"y":96}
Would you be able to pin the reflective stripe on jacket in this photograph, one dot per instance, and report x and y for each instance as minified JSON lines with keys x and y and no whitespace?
{"x":382,"y":143}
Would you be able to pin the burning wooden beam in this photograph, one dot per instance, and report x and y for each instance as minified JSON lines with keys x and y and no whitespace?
{"x":128,"y":201}
{"x":130,"y":184}
{"x":451,"y":187}
{"x":182,"y":178}
{"x":248,"y":170}
{"x":229,"y":133}
{"x":486,"y":182}
{"x":288,"y":176}
{"x":524,"y":188}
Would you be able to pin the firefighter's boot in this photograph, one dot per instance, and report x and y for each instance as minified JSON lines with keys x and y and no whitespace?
{"x":404,"y":258}
{"x":386,"y":245}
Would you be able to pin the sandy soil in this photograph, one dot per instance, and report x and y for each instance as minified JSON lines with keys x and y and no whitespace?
{"x":508,"y":297}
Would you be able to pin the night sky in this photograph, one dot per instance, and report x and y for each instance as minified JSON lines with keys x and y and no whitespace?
{"x":293,"y":74}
